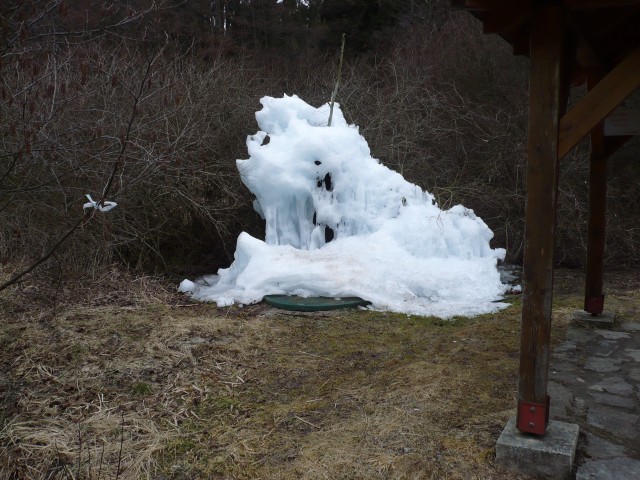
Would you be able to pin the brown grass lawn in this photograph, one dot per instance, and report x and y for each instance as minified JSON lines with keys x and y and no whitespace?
{"x":136,"y":381}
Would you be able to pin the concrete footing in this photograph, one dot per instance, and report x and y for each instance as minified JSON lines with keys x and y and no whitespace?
{"x":603,"y":320}
{"x":550,"y":456}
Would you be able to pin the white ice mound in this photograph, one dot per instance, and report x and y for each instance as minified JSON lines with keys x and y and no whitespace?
{"x":338,"y":223}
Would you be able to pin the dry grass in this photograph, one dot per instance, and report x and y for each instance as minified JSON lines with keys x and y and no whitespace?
{"x":137,"y":382}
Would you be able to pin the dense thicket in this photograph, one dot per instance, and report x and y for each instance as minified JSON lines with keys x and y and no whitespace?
{"x":149,"y":103}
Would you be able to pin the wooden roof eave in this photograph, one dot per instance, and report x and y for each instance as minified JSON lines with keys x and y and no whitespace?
{"x":488,"y":5}
{"x":595,"y":26}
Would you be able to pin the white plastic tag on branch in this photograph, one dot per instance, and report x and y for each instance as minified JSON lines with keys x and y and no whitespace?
{"x":103,"y":208}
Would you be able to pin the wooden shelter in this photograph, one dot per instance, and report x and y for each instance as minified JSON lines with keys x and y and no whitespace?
{"x":569,"y":43}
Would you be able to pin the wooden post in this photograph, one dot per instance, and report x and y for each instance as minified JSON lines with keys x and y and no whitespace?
{"x":546,"y":86}
{"x":594,"y":298}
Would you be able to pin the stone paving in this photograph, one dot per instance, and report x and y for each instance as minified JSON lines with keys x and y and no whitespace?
{"x":594,"y":381}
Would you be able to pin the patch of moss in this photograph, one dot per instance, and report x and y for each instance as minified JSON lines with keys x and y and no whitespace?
{"x":75,"y":352}
{"x":218,"y":405}
{"x":140,"y":388}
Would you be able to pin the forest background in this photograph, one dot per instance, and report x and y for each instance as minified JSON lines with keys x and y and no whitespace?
{"x":149,"y":104}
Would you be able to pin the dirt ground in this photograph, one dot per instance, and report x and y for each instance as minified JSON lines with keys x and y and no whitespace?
{"x":128,"y":379}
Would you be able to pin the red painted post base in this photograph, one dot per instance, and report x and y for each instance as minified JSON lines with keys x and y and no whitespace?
{"x":533,"y":417}
{"x":594,"y":305}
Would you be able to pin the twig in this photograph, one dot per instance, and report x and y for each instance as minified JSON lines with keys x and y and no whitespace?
{"x":89,"y":453}
{"x":335,"y":90}
{"x":100,"y":465}
{"x":79,"y":449}
{"x":307,"y":422}
{"x":315,"y":355}
{"x":136,"y":100}
{"x":55,"y":446}
{"x":116,"y":166}
{"x":76,"y":33}
{"x":121,"y":443}
{"x":45,"y":257}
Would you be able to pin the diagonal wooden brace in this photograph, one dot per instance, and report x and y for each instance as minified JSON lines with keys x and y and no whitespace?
{"x":621,"y":82}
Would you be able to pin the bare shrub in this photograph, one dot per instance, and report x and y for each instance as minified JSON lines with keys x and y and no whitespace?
{"x":168,"y":130}
{"x":159,"y":127}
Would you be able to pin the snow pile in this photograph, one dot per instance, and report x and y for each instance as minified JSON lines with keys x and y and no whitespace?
{"x":338,"y":223}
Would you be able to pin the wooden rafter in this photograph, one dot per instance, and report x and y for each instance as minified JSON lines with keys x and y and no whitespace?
{"x":520,"y":42}
{"x":614,"y":22}
{"x":590,"y":4}
{"x":486,"y":5}
{"x":613,"y":144}
{"x":479,"y":5}
{"x":506,"y":19}
{"x":591,"y":52}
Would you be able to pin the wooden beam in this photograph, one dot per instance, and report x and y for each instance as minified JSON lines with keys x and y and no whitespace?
{"x":588,"y":4}
{"x":506,"y":19}
{"x":589,"y":59}
{"x":593,"y":296}
{"x":519,"y":41}
{"x":622,"y":81}
{"x":545,"y":84}
{"x":601,"y":26}
{"x":613,"y":144}
{"x":568,"y":67}
{"x":590,"y":53}
{"x":482,"y":5}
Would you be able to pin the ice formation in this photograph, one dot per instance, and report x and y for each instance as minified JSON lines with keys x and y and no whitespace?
{"x":339,"y":223}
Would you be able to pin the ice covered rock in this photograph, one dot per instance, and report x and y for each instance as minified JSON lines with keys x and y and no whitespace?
{"x":339,"y":223}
